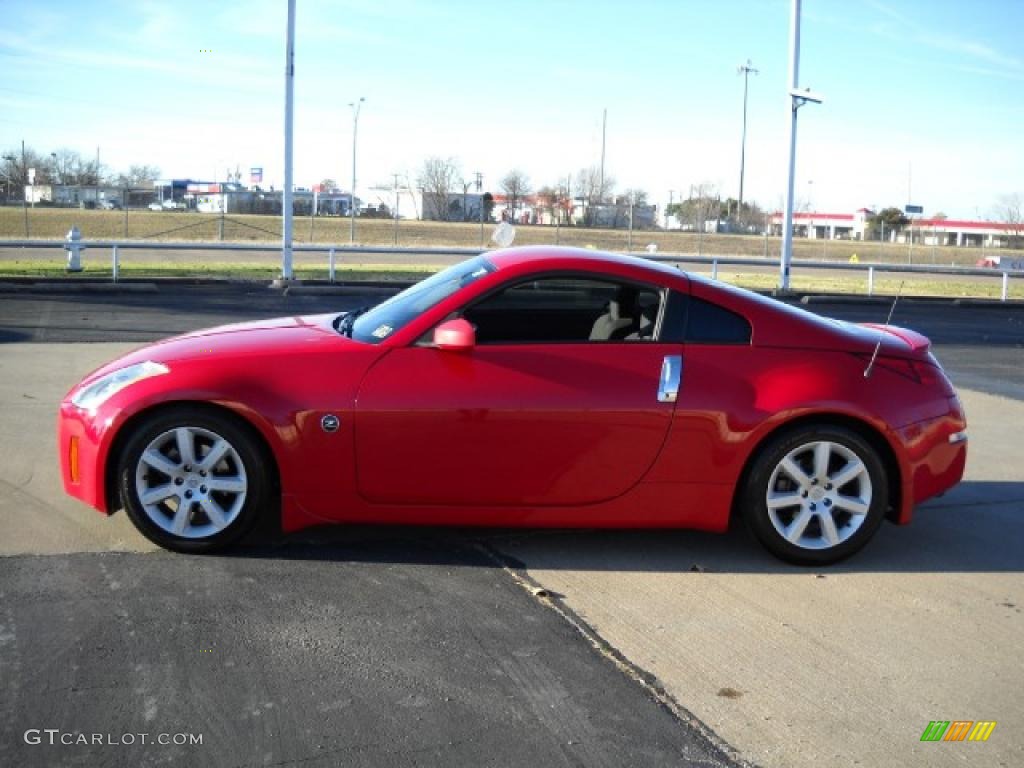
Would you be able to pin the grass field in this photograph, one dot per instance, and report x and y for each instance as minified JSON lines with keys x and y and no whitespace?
{"x":53,"y":223}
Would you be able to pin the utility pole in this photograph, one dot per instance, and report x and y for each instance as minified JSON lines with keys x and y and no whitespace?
{"x":604,"y":130}
{"x":356,"y":108}
{"x":746,"y":70}
{"x":480,"y":194}
{"x":629,"y":241}
{"x":289,"y":95}
{"x":572,"y":204}
{"x":24,"y":188}
{"x":394,"y":178}
{"x":910,"y":224}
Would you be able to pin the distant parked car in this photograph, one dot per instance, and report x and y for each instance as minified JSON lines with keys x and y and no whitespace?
{"x":110,"y":205}
{"x":174,"y":205}
{"x":155,"y":207}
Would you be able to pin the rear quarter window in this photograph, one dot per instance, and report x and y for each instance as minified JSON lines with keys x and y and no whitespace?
{"x":708,"y":323}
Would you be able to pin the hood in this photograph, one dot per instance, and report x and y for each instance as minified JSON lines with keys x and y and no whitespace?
{"x":271,"y":337}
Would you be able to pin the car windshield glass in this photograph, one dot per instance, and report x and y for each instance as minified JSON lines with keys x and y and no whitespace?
{"x":383,"y":320}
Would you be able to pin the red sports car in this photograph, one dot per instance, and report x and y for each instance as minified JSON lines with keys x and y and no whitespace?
{"x":525,"y":387}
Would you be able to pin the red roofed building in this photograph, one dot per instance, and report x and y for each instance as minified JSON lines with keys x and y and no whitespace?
{"x":852,"y":226}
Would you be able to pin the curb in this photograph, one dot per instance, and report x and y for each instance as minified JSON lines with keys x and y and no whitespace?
{"x":925,"y":300}
{"x":78,"y":288}
{"x":817,"y":299}
{"x":989,"y":303}
{"x":339,"y":290}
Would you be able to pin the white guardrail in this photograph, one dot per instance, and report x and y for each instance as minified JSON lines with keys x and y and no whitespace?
{"x":1014,"y":270}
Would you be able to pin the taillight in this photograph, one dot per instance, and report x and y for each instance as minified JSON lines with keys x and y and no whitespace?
{"x":930,"y":374}
{"x":926,"y":372}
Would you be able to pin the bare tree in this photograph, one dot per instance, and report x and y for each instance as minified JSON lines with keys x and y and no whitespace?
{"x":15,"y":167}
{"x":589,"y":185}
{"x":592,"y":189}
{"x":1010,"y":211}
{"x":552,"y":199}
{"x":437,"y":180}
{"x":138,"y":176}
{"x":70,"y":168}
{"x":634,"y":196}
{"x":702,"y":204}
{"x":515,"y":185}
{"x":328,"y":185}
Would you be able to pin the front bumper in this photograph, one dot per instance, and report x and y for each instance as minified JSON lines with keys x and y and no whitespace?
{"x":83,"y":444}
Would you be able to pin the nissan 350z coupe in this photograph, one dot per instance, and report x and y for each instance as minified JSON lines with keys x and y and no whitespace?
{"x":525,"y":387}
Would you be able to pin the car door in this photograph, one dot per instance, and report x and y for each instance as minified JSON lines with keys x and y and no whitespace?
{"x":536,"y":414}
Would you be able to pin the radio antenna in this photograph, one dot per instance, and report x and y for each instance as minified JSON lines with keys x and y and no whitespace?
{"x":874,"y":355}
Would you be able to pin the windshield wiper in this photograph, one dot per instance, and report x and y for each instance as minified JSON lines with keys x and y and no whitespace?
{"x":344,"y":323}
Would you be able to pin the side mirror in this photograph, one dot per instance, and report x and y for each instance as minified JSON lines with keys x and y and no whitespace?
{"x":457,"y":335}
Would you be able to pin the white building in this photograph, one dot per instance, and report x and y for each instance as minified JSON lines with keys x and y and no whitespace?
{"x":852,"y":226}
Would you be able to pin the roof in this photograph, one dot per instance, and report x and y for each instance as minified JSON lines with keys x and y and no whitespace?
{"x":512,"y":257}
{"x":963,"y":224}
{"x":811,"y":215}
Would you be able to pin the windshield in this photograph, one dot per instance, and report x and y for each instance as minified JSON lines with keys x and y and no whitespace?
{"x":380,"y":322}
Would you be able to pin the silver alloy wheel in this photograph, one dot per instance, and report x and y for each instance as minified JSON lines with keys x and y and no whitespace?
{"x":819,"y":495}
{"x":191,"y":482}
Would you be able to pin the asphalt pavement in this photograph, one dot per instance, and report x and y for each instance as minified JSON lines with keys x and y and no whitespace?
{"x":398,"y":650}
{"x":399,"y":646}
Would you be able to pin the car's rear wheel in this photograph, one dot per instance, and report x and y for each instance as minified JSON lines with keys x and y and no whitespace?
{"x":192,"y":480}
{"x":816,"y":495}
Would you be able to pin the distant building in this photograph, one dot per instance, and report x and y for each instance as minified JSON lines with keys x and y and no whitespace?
{"x":988,"y":234}
{"x":82,"y":196}
{"x":455,"y":207}
{"x":167,"y":190}
{"x":825,"y":226}
{"x":852,"y":226}
{"x":230,"y":197}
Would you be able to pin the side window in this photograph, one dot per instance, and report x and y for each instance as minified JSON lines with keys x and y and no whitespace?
{"x":567,"y":310}
{"x":708,"y":323}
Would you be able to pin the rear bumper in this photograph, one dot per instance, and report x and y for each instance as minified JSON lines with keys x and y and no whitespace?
{"x":934,"y":457}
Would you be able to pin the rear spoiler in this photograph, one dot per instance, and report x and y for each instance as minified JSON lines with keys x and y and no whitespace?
{"x":918,"y":343}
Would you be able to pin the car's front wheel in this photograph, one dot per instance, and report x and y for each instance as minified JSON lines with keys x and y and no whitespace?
{"x":816,"y":495}
{"x":192,"y":480}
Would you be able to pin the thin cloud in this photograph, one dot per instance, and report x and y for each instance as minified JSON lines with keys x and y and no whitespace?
{"x":974,"y":50}
{"x":243,"y":71}
{"x":1009,"y":67}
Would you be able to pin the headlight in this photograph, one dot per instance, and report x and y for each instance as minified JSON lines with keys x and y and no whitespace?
{"x":91,"y":397}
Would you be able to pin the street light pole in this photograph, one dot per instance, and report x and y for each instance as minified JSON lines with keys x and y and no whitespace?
{"x":794,"y":100}
{"x":745,"y":70}
{"x":356,"y":107}
{"x":286,"y":199}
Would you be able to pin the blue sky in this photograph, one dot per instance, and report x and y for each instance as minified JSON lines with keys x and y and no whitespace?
{"x":934,"y":88}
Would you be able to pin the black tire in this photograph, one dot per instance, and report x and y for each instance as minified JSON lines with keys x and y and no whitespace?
{"x":242,"y":465}
{"x":852,"y":530}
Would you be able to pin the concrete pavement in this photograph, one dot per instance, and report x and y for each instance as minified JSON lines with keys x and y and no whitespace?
{"x":842,"y":666}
